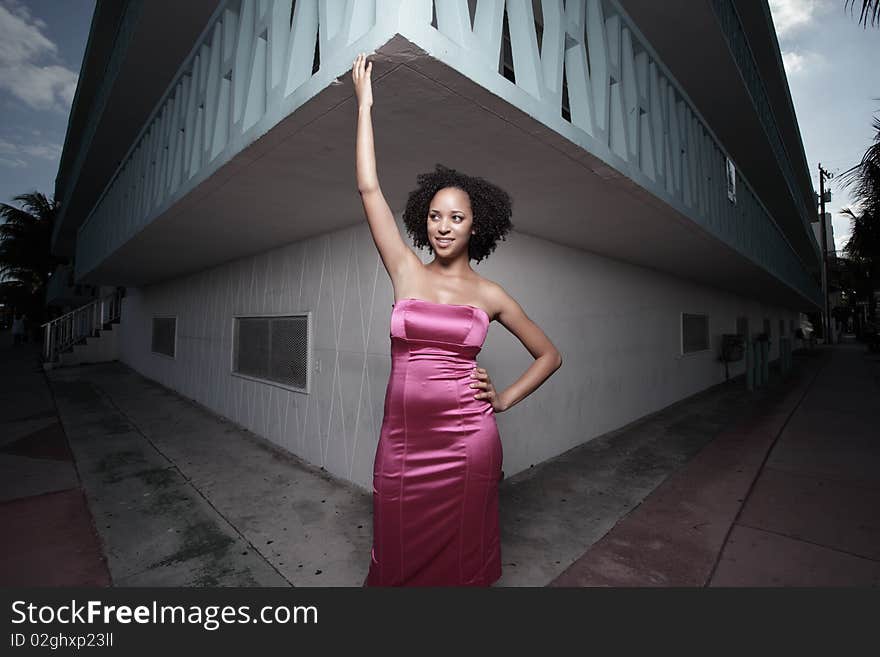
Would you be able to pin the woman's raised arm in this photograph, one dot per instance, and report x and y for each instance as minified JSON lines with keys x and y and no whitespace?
{"x":395,"y":254}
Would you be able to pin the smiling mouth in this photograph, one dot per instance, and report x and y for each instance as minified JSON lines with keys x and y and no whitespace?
{"x":442,"y":242}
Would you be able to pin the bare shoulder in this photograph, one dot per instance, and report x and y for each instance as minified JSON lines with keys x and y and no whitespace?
{"x":507,"y":312}
{"x":499,"y":301}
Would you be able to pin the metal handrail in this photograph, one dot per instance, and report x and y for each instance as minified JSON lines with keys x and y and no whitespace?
{"x":62,"y":332}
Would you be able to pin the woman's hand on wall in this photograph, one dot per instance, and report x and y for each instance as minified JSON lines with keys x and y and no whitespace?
{"x":363,"y":87}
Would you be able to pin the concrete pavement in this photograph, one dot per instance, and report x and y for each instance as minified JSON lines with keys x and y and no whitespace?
{"x":773,"y":487}
{"x":786,"y":496}
{"x":49,"y":538}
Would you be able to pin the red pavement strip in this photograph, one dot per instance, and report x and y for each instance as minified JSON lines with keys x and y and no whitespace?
{"x":674,"y":537}
{"x":50,"y":539}
{"x":46,"y":443}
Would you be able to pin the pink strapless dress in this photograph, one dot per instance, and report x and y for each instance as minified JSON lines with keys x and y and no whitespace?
{"x":438,"y":461}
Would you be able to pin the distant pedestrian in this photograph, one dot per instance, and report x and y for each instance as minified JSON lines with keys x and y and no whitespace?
{"x":17,"y":329}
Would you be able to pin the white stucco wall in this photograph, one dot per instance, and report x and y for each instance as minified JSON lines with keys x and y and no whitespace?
{"x":618,"y":327}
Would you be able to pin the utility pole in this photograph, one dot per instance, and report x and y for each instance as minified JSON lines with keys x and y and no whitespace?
{"x":827,"y":324}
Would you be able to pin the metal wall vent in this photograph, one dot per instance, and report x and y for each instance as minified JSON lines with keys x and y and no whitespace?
{"x":694,"y":333}
{"x":164,"y":340}
{"x":274,"y":349}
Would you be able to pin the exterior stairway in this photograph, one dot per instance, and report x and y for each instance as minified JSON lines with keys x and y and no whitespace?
{"x":98,"y":348}
{"x":89,"y":334}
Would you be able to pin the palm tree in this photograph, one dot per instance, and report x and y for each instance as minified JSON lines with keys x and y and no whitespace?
{"x":863,"y":252}
{"x":860,"y":276}
{"x":864,"y":177}
{"x":864,"y":242}
{"x":870,"y":8}
{"x":863,"y":246}
{"x":25,"y":260}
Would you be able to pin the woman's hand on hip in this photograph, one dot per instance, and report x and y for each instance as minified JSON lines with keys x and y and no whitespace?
{"x":482,"y":380}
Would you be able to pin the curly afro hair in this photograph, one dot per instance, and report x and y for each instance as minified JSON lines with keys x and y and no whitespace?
{"x":490,"y":204}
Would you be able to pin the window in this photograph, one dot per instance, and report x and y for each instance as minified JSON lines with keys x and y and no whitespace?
{"x":164,"y":339}
{"x":274,"y":349}
{"x":566,"y":106}
{"x":694,"y":333}
{"x":731,"y":181}
{"x":505,"y":65}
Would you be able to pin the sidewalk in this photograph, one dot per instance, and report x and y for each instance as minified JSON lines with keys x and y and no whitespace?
{"x":774,"y":487}
{"x":49,"y":538}
{"x":786,"y":497}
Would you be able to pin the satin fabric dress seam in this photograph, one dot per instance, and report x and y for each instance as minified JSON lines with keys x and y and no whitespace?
{"x":383,"y":547}
{"x":403,"y":463}
{"x":453,"y":305}
{"x":484,"y":560}
{"x":431,"y":341}
{"x":467,"y":463}
{"x":463,"y":494}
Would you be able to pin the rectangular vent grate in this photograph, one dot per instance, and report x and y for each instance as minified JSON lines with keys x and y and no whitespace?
{"x":164,"y":335}
{"x":273,"y":348}
{"x":694,"y":333}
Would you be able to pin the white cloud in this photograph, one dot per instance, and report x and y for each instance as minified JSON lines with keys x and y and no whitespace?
{"x":23,"y":12}
{"x":29,"y":68}
{"x":13,"y":163}
{"x":45,"y":151}
{"x":796,"y":62}
{"x":790,"y":16}
{"x":16,"y":155}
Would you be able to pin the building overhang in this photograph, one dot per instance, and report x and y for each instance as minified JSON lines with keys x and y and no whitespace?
{"x":690,"y":40}
{"x":134,"y":50}
{"x":250,"y":146}
{"x":298,"y":181}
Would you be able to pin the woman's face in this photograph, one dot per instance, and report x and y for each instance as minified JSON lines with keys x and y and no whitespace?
{"x":450,"y":222}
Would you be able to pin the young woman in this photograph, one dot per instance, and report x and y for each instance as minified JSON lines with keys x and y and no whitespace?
{"x":438,"y":461}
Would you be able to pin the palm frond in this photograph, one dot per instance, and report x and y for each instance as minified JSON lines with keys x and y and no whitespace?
{"x":864,"y":177}
{"x":25,"y":239}
{"x":870,"y":10}
{"x":16,"y":216}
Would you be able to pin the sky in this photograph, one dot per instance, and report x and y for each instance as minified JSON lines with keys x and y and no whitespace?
{"x":829,"y":61}
{"x":41,"y":49}
{"x":831,"y":64}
